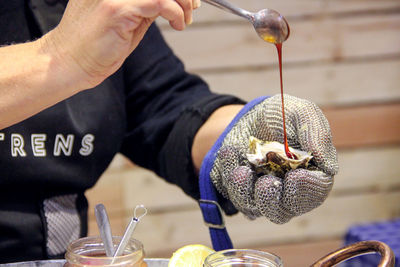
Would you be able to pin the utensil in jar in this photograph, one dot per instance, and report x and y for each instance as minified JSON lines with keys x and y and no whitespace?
{"x":271,"y":26}
{"x":104,"y":228}
{"x":139,"y":212}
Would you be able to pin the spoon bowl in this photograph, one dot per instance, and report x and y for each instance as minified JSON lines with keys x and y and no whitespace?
{"x":271,"y":26}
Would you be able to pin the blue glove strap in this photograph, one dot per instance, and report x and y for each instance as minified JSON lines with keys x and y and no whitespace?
{"x":212,"y":213}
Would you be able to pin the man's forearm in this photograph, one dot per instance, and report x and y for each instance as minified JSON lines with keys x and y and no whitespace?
{"x":31,"y":79}
{"x":210,"y":131}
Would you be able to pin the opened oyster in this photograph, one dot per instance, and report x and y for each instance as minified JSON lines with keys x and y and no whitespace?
{"x":270,"y":158}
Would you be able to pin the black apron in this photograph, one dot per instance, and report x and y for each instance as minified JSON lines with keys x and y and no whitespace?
{"x":41,"y":184}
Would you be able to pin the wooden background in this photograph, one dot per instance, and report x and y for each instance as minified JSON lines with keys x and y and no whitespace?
{"x":342,"y":54}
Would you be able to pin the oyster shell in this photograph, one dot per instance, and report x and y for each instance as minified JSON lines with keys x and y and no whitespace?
{"x":270,"y":157}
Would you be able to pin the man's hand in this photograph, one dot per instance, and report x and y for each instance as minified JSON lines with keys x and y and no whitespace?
{"x":301,"y":190}
{"x":91,"y":42}
{"x":94,"y":37}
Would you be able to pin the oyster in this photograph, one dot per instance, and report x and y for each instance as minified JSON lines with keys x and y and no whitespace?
{"x":270,"y":158}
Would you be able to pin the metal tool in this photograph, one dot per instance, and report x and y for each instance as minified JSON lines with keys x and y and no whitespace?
{"x":271,"y":26}
{"x":130,"y":228}
{"x":104,"y":229}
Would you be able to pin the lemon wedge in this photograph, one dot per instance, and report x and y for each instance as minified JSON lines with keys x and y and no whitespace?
{"x":190,"y":256}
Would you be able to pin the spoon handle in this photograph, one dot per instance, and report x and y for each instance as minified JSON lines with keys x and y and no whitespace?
{"x":104,"y":229}
{"x":129,"y":230}
{"x":227,"y":6}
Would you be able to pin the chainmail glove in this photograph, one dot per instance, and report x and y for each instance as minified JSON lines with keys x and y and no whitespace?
{"x":298,"y":191}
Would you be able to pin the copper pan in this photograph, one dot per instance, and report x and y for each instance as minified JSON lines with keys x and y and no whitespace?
{"x":357,"y":249}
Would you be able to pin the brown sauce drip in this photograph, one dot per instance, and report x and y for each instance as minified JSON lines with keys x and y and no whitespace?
{"x":285,"y":142}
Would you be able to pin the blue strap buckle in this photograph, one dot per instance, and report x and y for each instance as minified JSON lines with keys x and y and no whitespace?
{"x":219,"y":209}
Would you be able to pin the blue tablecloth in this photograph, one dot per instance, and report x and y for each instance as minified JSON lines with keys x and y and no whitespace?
{"x":387,"y":232}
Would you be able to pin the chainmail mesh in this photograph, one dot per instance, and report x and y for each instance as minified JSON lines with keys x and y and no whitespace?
{"x":63,"y":223}
{"x":301,"y":190}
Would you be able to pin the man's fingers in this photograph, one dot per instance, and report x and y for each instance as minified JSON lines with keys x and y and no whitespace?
{"x":187,"y":7}
{"x":229,"y":157}
{"x":314,"y":135}
{"x":240,"y":184}
{"x":299,"y":192}
{"x":268,"y":196}
{"x":304,"y":190}
{"x":173,"y":12}
{"x":196,"y":4}
{"x":170,"y":10}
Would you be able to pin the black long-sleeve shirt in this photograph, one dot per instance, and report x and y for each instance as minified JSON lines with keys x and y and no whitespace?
{"x":149,"y":110}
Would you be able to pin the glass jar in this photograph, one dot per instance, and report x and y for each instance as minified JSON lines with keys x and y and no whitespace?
{"x":242,"y":258}
{"x":89,"y":251}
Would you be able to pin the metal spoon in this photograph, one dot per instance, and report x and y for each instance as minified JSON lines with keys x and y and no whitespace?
{"x":271,"y":26}
{"x":139,"y":212}
{"x":104,"y":229}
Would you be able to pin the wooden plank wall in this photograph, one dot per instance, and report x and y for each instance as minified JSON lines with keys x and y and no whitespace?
{"x":342,"y":54}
